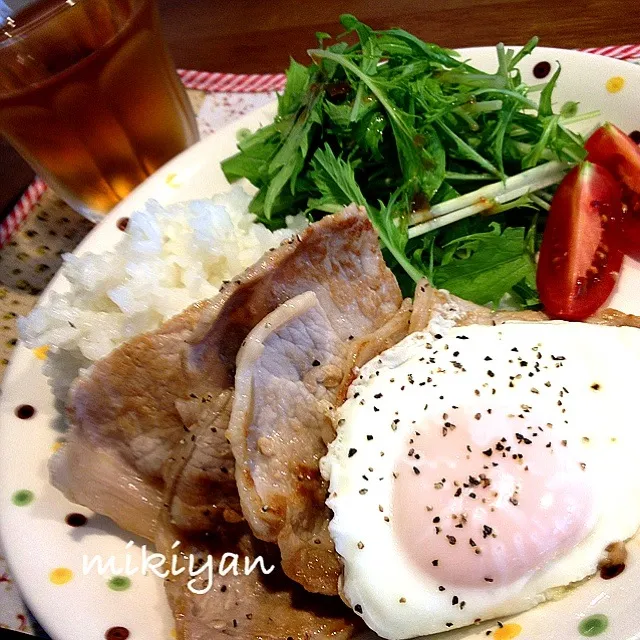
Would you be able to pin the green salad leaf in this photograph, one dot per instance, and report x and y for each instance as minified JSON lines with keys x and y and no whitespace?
{"x":406,"y":127}
{"x":483,"y":266}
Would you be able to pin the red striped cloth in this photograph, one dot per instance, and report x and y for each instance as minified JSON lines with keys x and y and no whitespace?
{"x":26,"y":203}
{"x":622,"y":52}
{"x":237,"y":83}
{"x":232,"y":82}
{"x":258,"y":83}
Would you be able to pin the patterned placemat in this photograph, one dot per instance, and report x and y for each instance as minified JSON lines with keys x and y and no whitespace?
{"x":41,"y":228}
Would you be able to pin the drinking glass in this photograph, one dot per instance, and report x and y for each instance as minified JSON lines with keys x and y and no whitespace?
{"x":89,"y":96}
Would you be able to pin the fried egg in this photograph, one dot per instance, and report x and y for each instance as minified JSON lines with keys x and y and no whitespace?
{"x":477,"y":469}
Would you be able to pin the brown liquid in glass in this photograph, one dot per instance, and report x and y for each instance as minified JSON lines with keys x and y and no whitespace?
{"x":89,"y":96}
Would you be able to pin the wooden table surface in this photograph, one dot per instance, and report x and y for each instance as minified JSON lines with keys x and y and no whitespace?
{"x":258,"y":36}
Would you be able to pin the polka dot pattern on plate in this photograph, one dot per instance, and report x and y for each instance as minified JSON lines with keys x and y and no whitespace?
{"x":25,"y":411}
{"x":22,"y":498}
{"x":76,"y":520}
{"x":41,"y":352}
{"x":172,"y":180}
{"x":57,"y":445}
{"x":542,"y":69}
{"x":117,"y":633}
{"x":615,"y":84}
{"x":60,"y":576}
{"x":119,"y":583}
{"x":593,"y":625}
{"x":508,"y":632}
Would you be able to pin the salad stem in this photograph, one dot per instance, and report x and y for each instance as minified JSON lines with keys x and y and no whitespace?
{"x":485,"y":198}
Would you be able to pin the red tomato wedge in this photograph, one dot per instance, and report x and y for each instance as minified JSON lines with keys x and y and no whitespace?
{"x":616,"y":151}
{"x":580,"y":256}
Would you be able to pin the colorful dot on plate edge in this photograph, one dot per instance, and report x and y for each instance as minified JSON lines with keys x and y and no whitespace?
{"x":60,"y":576}
{"x":117,"y":633}
{"x":119,"y":583}
{"x":41,"y":352}
{"x":25,"y":411}
{"x":22,"y":498}
{"x":172,"y":180}
{"x":615,"y":84}
{"x":507,"y":631}
{"x":76,"y":519}
{"x":593,"y":625}
{"x":57,"y":445}
{"x":542,"y":69}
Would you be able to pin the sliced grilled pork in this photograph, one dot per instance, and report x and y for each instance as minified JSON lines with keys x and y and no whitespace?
{"x":443,"y":308}
{"x":257,"y":606}
{"x":290,"y":371}
{"x":124,"y":425}
{"x":339,"y":260}
{"x":154,"y":412}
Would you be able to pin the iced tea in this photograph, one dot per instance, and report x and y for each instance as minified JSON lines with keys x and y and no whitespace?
{"x":90,"y":97}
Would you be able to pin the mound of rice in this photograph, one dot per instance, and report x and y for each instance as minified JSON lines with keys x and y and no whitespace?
{"x":168,"y":258}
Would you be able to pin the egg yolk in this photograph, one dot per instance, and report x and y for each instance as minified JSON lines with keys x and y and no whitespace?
{"x":483,"y":500}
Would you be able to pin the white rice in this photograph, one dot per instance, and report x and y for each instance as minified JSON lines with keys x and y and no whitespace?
{"x":168,"y":258}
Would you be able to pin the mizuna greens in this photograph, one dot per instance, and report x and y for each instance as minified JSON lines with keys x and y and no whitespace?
{"x":425,"y":141}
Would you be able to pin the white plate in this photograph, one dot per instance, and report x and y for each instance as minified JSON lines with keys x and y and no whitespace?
{"x":39,"y":542}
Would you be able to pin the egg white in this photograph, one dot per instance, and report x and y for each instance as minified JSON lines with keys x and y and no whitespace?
{"x":596,"y":365}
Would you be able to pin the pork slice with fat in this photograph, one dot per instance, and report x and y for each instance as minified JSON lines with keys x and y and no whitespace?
{"x":291,"y":370}
{"x":431,"y":305}
{"x":123,"y":426}
{"x":339,"y":260}
{"x":248,"y":606}
{"x":150,"y":418}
